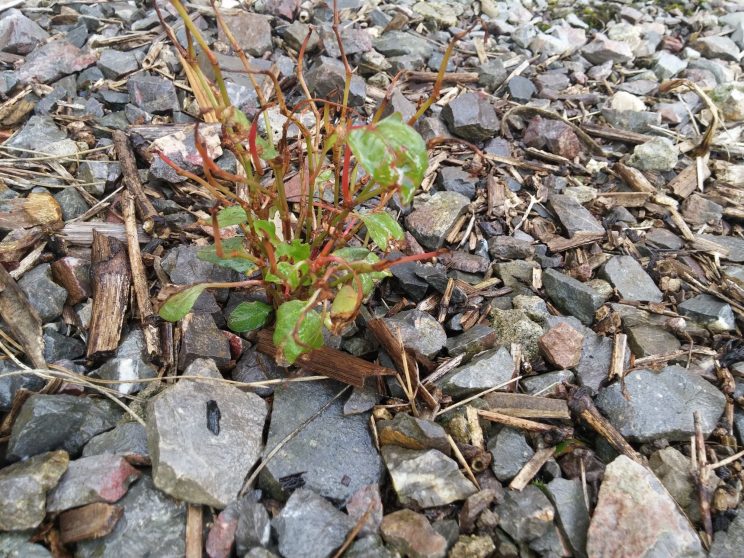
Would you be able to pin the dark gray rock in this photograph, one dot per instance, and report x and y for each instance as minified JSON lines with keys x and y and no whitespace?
{"x":17,"y":545}
{"x":510,"y":248}
{"x":326,"y":80}
{"x":573,"y":216}
{"x":256,"y":367}
{"x":548,"y":383}
{"x":72,"y":203}
{"x":635,"y":512}
{"x":202,"y":339}
{"x":521,"y":89}
{"x":97,"y":175}
{"x":39,"y":133}
{"x":432,"y":221}
{"x":472,"y":117}
{"x":649,"y":340}
{"x":572,"y":296}
{"x":310,"y":527}
{"x":420,"y":331}
{"x":23,"y":489}
{"x":185,"y":268}
{"x":409,"y":277}
{"x":252,"y":32}
{"x":45,"y":296}
{"x":128,"y":440}
{"x":510,"y":452}
{"x":400,"y":43}
{"x":253,"y":523}
{"x":152,"y":94}
{"x":733,"y":244}
{"x":709,"y":311}
{"x":10,"y":384}
{"x":49,"y":422}
{"x":454,"y":179}
{"x":492,"y":74}
{"x":477,"y":339}
{"x":333,"y":455}
{"x":517,"y":274}
{"x":128,"y":364}
{"x":115,"y":64}
{"x":573,"y":517}
{"x":19,"y":34}
{"x":153,"y":524}
{"x":630,"y":279}
{"x":204,"y":438}
{"x":594,"y":364}
{"x":486,"y":371}
{"x":54,"y":60}
{"x":661,"y":404}
{"x":60,"y":347}
{"x":526,"y":516}
{"x":425,"y":478}
{"x":413,"y":433}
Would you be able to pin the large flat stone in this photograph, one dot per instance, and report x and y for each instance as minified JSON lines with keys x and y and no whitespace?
{"x":571,"y":296}
{"x":630,"y":279}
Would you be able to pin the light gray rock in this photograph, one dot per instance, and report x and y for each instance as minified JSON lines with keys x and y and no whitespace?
{"x":510,"y":452}
{"x":710,"y":312}
{"x":729,"y":543}
{"x":431,"y":221}
{"x":573,"y":216}
{"x":573,"y":516}
{"x":668,"y":65}
{"x":657,"y":154}
{"x":310,"y":527}
{"x":602,"y":49}
{"x":734,"y":245}
{"x":20,"y":34}
{"x":649,"y":340}
{"x":425,"y":478}
{"x":128,"y":439}
{"x":636,"y":513}
{"x":661,"y":404}
{"x":203,"y":440}
{"x":630,"y":279}
{"x":485,"y":371}
{"x":420,"y":331}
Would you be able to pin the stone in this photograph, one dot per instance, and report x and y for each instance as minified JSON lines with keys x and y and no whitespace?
{"x":552,"y":81}
{"x":650,"y":340}
{"x":474,"y":341}
{"x":97,"y":175}
{"x":710,"y":312}
{"x":510,"y":452}
{"x":326,"y":80}
{"x":489,"y":370}
{"x":717,"y":47}
{"x":521,"y":89}
{"x":60,"y":347}
{"x":625,"y":101}
{"x":45,"y":296}
{"x":630,"y":279}
{"x":19,"y":34}
{"x":514,"y":326}
{"x":425,"y":478}
{"x":562,"y":345}
{"x":399,"y":43}
{"x":420,"y":331}
{"x":72,"y":203}
{"x":733,"y":244}
{"x":510,"y":248}
{"x":431,"y":221}
{"x":371,"y":546}
{"x":727,"y":543}
{"x":667,"y":65}
{"x":152,"y":94}
{"x":664,"y":239}
{"x":574,"y":217}
{"x":636,"y":513}
{"x":460,"y":260}
{"x":99,"y":478}
{"x":729,"y":98}
{"x":10,"y":384}
{"x":472,"y":546}
{"x":674,"y":470}
{"x":411,"y":534}
{"x":547,"y":383}
{"x":253,"y":526}
{"x":411,"y":432}
{"x":310,"y":527}
{"x":698,"y":211}
{"x":50,"y":422}
{"x":204,"y":438}
{"x":184,"y":267}
{"x":594,"y":365}
{"x":572,"y":515}
{"x":153,"y":524}
{"x":366,"y":501}
{"x":471,"y":116}
{"x":202,"y":339}
{"x":54,"y":60}
{"x":555,"y":136}
{"x":17,"y":545}
{"x":24,"y":487}
{"x":602,"y":49}
{"x":526,"y":516}
{"x":661,"y":404}
{"x":254,"y":366}
{"x":128,"y":440}
{"x":115,"y":64}
{"x":180,"y":148}
{"x":572,"y":296}
{"x":492,"y":74}
{"x":333,"y":455}
{"x":252,"y":32}
{"x":657,"y":154}
{"x":454,"y":179}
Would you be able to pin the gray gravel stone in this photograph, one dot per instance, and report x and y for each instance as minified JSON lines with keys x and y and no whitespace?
{"x":203,"y":440}
{"x":254,"y":523}
{"x":128,"y":440}
{"x":521,"y":89}
{"x":454,"y":179}
{"x":572,"y":296}
{"x":649,"y":340}
{"x":49,"y":422}
{"x":252,"y":32}
{"x":574,"y":217}
{"x":60,"y":347}
{"x":23,"y":489}
{"x":431,"y":221}
{"x":510,"y":452}
{"x":153,"y":524}
{"x":115,"y":64}
{"x":733,"y":244}
{"x":602,"y":49}
{"x":17,"y":545}
{"x":636,"y":513}
{"x":728,"y":543}
{"x":668,"y":65}
{"x":657,"y":154}
{"x":201,"y":338}
{"x":471,"y":116}
{"x":45,"y":296}
{"x":152,"y":94}
{"x":9,"y":385}
{"x":425,"y":478}
{"x":326,"y":80}
{"x":419,"y":330}
{"x":709,"y":311}
{"x":413,"y":433}
{"x":72,"y":203}
{"x":630,"y":279}
{"x":492,"y":74}
{"x":548,"y":383}
{"x":483,"y":372}
{"x":411,"y":534}
{"x":333,"y":455}
{"x":526,"y":516}
{"x":400,"y":43}
{"x":310,"y":527}
{"x":661,"y":404}
{"x":477,"y":339}
{"x":568,"y":498}
{"x":19,"y":34}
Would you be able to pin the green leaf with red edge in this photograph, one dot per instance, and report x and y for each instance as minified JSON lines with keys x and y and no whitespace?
{"x":232,"y":215}
{"x":392,"y":152}
{"x":297,"y":330}
{"x":382,"y":227}
{"x":180,"y":304}
{"x":248,"y":316}
{"x":234,"y":252}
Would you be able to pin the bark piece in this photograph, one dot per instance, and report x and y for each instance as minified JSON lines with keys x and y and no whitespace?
{"x":88,"y":522}
{"x":22,"y":320}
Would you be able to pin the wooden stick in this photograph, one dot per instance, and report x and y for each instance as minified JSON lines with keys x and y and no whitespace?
{"x":581,"y":404}
{"x":329,"y":362}
{"x":617,"y":362}
{"x":110,"y":279}
{"x":21,"y":319}
{"x":194,"y":527}
{"x":524,"y":424}
{"x":700,"y":475}
{"x":130,"y":176}
{"x":139,"y":279}
{"x":527,"y":406}
{"x":457,"y":77}
{"x":634,"y":178}
{"x":531,"y":468}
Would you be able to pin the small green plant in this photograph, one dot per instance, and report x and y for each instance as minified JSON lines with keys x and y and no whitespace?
{"x":305,"y":249}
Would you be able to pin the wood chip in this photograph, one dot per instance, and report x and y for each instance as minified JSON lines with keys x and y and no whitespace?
{"x":527,"y":406}
{"x":88,"y":522}
{"x":21,"y":319}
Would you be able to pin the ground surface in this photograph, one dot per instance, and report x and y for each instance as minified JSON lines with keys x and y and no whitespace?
{"x":579,"y":344}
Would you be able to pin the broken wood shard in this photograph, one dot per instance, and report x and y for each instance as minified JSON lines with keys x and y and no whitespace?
{"x":21,"y":319}
{"x":88,"y":522}
{"x":527,"y":406}
{"x":110,"y":280}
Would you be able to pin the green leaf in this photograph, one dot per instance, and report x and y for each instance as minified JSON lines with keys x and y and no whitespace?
{"x":381,"y":228}
{"x":297,"y":331}
{"x":234,"y":252}
{"x":295,"y":250}
{"x":265,"y":149}
{"x":354,"y":254}
{"x":346,"y":303}
{"x":248,"y":316}
{"x":233,"y":215}
{"x":392,"y":152}
{"x":180,"y":304}
{"x":266,"y":227}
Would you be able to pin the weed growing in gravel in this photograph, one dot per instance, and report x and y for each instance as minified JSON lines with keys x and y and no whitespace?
{"x":302,"y":247}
